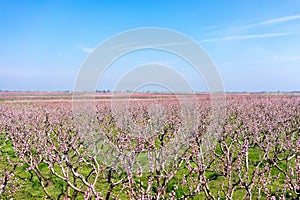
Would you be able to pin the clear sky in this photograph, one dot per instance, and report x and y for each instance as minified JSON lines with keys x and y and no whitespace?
{"x":254,"y":43}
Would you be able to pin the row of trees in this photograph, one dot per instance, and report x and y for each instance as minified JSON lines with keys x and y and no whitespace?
{"x":153,"y":150}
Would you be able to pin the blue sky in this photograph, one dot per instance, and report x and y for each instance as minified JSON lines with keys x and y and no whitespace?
{"x":254,"y":44}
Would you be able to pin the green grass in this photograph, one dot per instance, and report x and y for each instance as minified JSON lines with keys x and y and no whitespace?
{"x":30,"y":188}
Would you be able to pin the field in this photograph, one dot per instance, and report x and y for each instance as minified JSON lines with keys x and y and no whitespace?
{"x":152,"y":148}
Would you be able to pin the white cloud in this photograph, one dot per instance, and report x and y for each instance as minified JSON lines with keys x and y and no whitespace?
{"x":88,"y":49}
{"x":134,"y":46}
{"x":246,"y":37}
{"x":280,"y":20}
{"x":268,"y":22}
{"x":157,"y":45}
